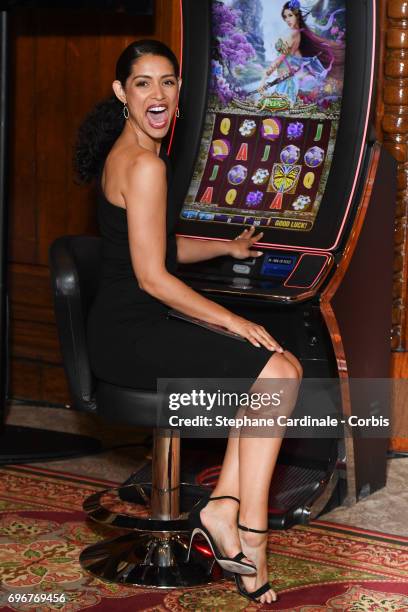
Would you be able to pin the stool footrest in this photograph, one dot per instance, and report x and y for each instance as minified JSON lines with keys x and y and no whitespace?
{"x":128,"y":507}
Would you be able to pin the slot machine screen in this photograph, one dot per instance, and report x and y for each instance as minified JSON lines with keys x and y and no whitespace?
{"x":270,"y":130}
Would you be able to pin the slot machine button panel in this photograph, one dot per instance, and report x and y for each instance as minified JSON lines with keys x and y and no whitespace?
{"x":278,"y":265}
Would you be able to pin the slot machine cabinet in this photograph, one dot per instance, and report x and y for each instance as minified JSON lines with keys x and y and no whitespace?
{"x":300,"y":161}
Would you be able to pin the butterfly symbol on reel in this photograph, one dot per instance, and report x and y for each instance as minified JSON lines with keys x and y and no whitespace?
{"x":284,"y":179}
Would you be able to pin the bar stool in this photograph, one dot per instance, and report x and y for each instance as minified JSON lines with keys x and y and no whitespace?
{"x":152,"y":551}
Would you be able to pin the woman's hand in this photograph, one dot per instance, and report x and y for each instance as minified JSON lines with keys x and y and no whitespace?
{"x":241,"y":246}
{"x":254,"y":333}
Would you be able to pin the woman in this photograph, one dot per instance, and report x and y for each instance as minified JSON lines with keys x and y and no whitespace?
{"x":306,"y":60}
{"x":120,"y":145}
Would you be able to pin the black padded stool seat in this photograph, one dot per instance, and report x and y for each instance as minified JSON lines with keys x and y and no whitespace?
{"x":125,"y":400}
{"x":154,"y":551}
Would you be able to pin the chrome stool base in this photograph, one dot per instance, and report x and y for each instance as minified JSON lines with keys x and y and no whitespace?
{"x":129,"y":507}
{"x":150,"y":560}
{"x":154,"y":552}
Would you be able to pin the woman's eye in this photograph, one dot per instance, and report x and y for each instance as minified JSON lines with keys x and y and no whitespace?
{"x":141,"y":83}
{"x":170,"y":82}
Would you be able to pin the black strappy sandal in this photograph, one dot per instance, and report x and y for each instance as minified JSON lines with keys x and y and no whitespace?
{"x":253,"y":595}
{"x":235,"y":564}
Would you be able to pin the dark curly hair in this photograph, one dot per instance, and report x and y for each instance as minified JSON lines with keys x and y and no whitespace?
{"x":104,"y":124}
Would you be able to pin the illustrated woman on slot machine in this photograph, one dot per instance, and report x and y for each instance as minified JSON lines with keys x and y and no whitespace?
{"x":308,"y":65}
{"x":132,"y":342}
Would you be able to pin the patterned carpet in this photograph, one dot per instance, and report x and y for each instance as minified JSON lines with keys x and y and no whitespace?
{"x":320,"y":567}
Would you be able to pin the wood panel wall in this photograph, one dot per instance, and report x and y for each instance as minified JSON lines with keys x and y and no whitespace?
{"x":62,"y":63}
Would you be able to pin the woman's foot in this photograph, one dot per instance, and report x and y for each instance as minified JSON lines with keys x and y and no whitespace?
{"x":220,"y":518}
{"x":254,"y":547}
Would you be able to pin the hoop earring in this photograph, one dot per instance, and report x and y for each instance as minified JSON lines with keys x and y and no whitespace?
{"x":177,"y":112}
{"x":125,"y":111}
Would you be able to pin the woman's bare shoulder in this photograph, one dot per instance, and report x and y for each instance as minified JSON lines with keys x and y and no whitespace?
{"x":144,"y":169}
{"x":129,"y":158}
{"x":293,"y":37}
{"x":127,"y":165}
{"x":129,"y":170}
{"x":290,"y":41}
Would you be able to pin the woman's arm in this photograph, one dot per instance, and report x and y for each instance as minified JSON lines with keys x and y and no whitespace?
{"x":275,"y":65}
{"x":192,"y":250}
{"x":144,"y":192}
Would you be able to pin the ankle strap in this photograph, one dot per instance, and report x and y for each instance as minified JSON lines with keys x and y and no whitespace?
{"x":225,"y":497}
{"x":243,"y":528}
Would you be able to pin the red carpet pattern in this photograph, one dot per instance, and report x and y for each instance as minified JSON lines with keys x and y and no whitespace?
{"x":321,"y":567}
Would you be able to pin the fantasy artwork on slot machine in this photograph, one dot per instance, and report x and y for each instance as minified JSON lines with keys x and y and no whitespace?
{"x":272,"y":118}
{"x":275,"y":132}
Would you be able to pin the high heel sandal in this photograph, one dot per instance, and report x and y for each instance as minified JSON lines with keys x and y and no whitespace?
{"x":253,"y":595}
{"x":230,"y":564}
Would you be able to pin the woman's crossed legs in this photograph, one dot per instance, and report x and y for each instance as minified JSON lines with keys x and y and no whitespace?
{"x":246,"y":473}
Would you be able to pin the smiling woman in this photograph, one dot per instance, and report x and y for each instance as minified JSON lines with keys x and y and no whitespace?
{"x":149,"y":96}
{"x":132,"y":341}
{"x":103,"y":126}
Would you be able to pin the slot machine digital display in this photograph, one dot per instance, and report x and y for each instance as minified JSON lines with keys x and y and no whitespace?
{"x":276,"y":132}
{"x":272,"y":119}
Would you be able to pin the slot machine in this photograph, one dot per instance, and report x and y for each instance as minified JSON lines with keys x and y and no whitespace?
{"x":276,"y":131}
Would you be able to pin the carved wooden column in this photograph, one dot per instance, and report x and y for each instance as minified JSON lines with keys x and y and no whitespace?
{"x":395,"y":134}
{"x":392,"y":117}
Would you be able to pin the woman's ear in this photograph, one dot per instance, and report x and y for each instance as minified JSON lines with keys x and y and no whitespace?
{"x":118,"y":91}
{"x":179,"y":83}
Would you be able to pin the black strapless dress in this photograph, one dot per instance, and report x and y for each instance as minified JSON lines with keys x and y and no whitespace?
{"x":131,"y":341}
